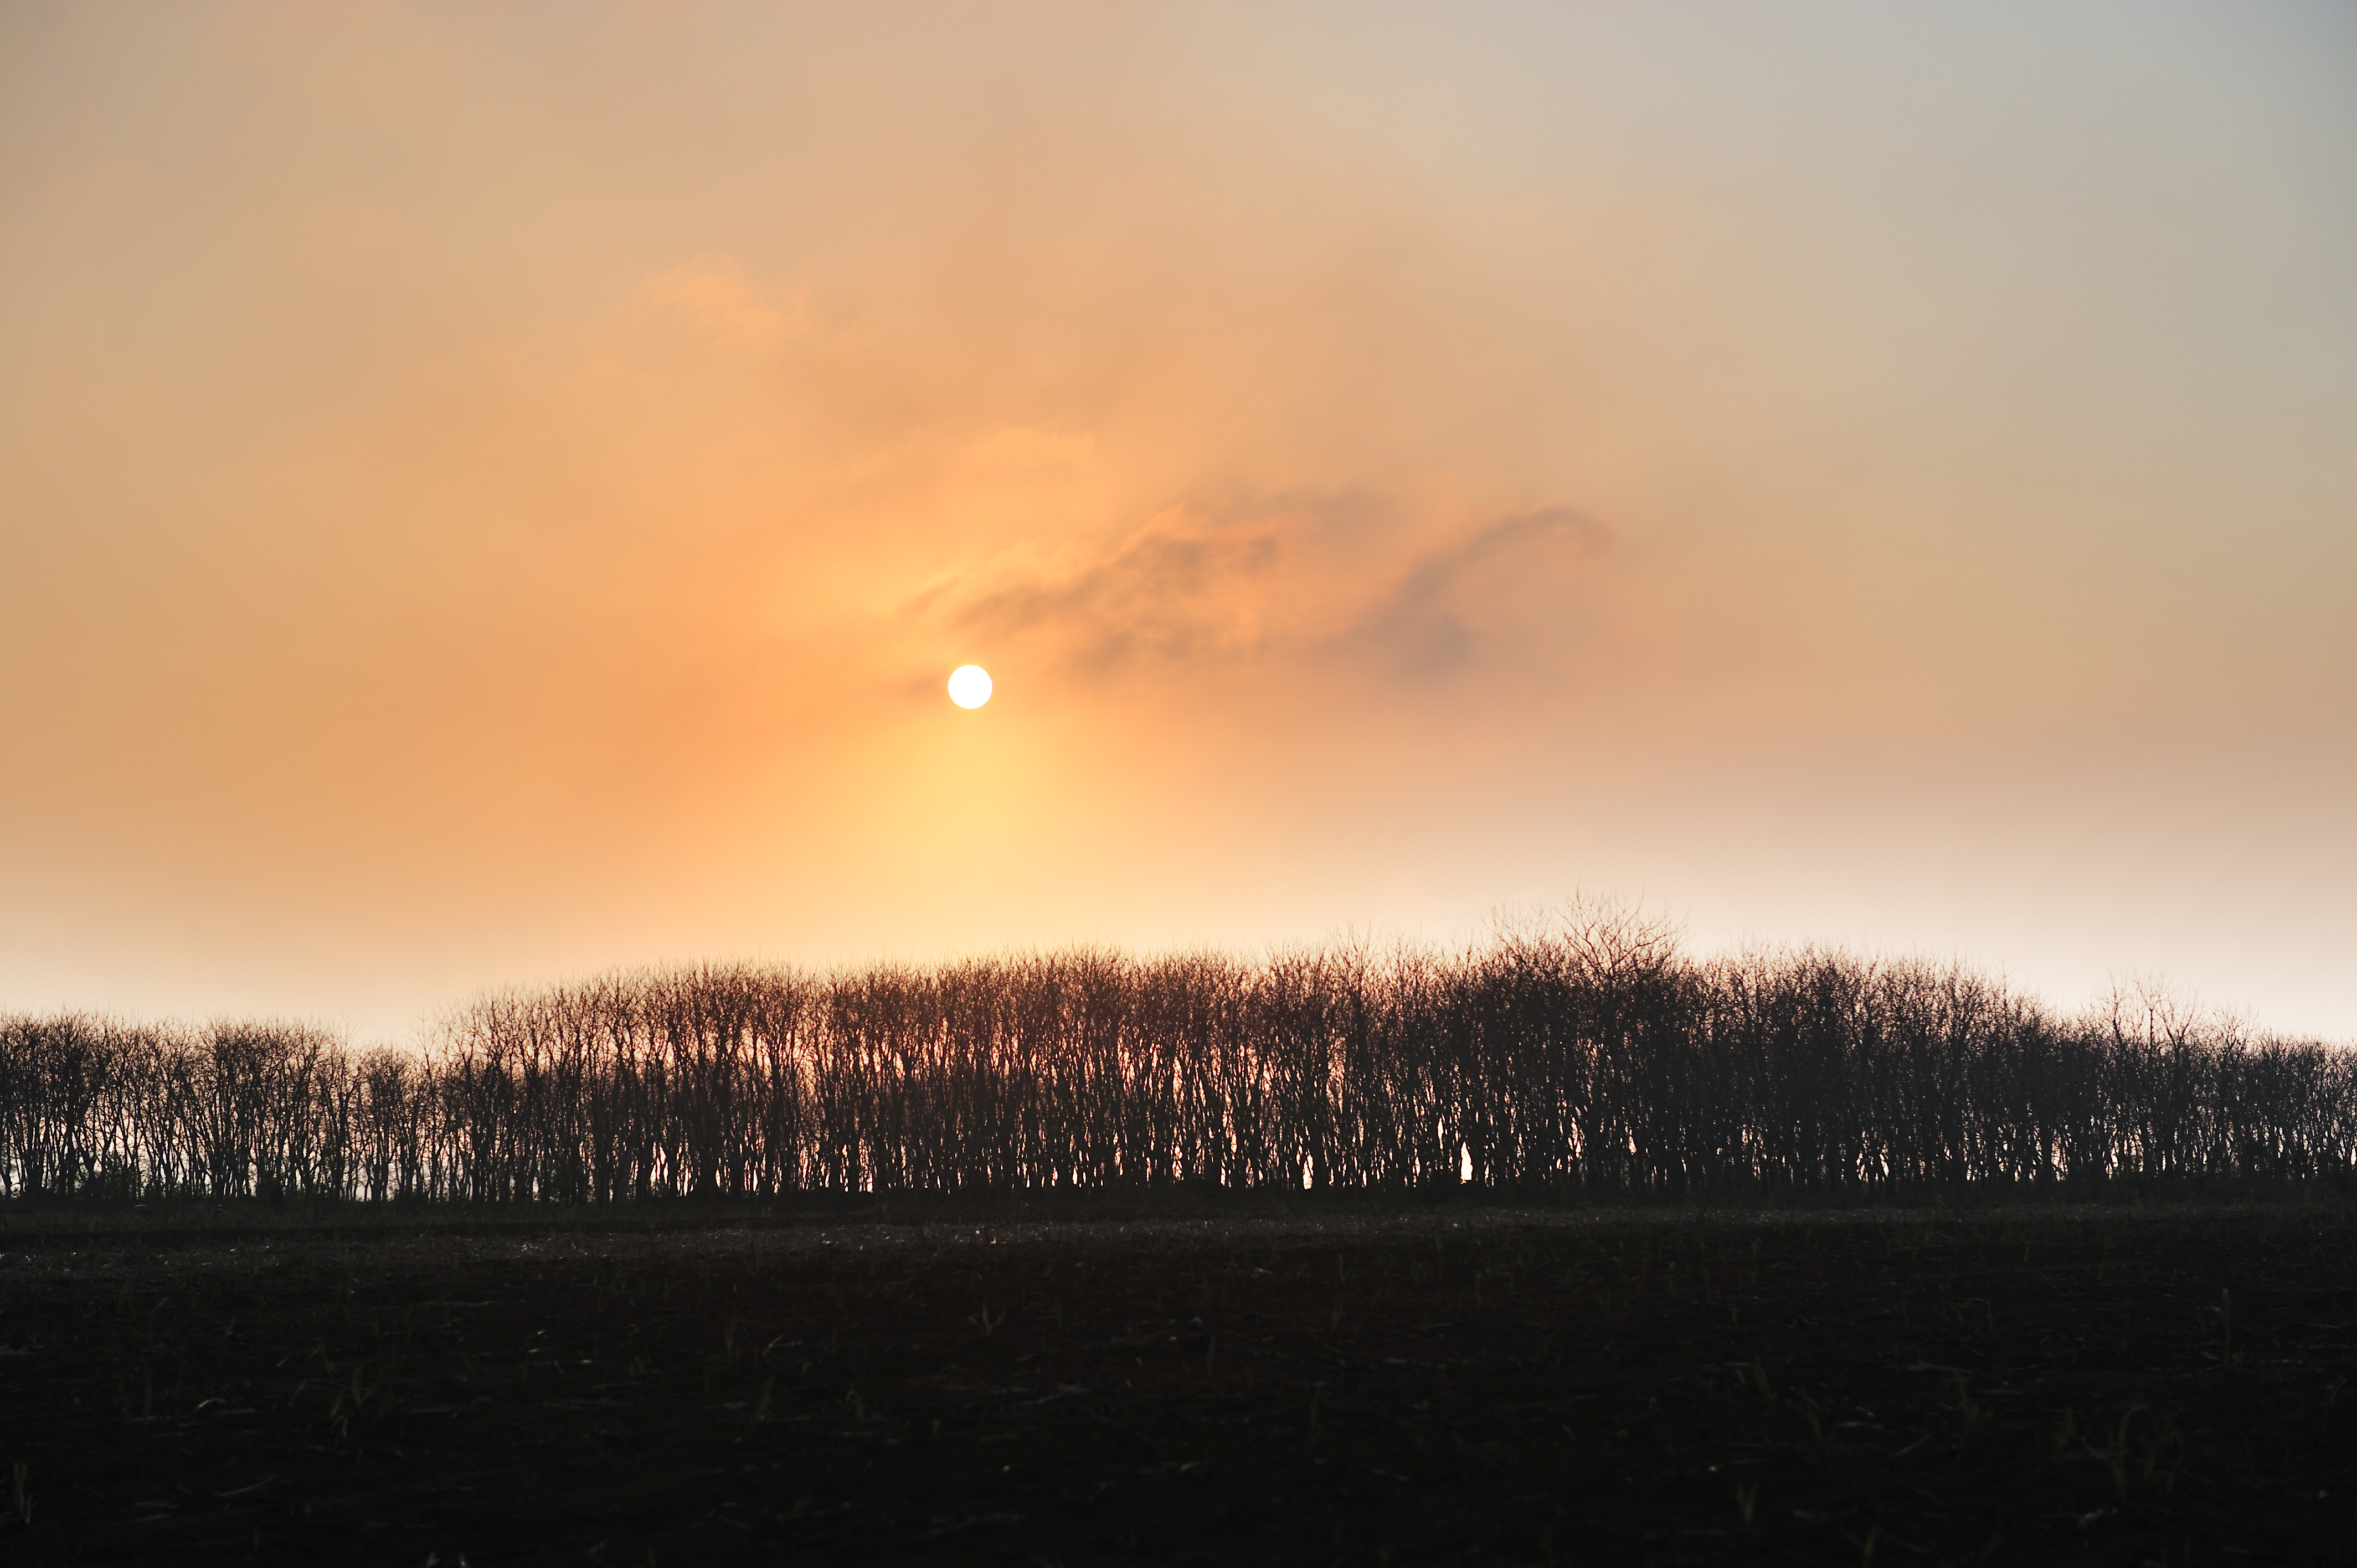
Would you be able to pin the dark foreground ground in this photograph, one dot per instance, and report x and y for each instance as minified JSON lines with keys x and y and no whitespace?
{"x":2084,"y":1386}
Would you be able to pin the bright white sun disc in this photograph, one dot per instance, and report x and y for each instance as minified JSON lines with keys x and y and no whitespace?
{"x":969,"y":685}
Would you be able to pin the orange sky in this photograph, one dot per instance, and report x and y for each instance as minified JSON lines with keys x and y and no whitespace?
{"x":486,"y":494}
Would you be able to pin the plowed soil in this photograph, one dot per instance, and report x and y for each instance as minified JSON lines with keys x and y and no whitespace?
{"x":2149,"y":1385}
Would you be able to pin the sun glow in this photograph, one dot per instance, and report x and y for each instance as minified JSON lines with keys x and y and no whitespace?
{"x":969,"y":685}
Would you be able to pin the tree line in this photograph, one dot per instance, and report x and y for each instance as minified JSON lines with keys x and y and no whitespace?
{"x":1588,"y":1053}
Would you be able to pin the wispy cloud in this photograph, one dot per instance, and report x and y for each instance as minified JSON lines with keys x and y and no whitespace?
{"x":1183,"y":587}
{"x":716,"y":297}
{"x":1511,"y":574}
{"x":1302,"y":582}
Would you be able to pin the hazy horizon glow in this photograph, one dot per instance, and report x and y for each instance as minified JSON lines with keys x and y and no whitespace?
{"x":492,"y":494}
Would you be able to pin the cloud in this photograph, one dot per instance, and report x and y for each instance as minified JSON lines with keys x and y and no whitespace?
{"x":1184,"y":587}
{"x":1307,"y":581}
{"x":714,"y":297}
{"x":1502,"y":578}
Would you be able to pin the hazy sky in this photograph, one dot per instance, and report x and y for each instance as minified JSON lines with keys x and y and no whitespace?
{"x":489,"y":493}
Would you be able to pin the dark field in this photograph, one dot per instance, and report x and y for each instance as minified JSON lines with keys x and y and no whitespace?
{"x":2091,"y":1385}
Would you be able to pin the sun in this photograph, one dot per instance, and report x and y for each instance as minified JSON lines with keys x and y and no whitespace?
{"x":969,"y":685}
